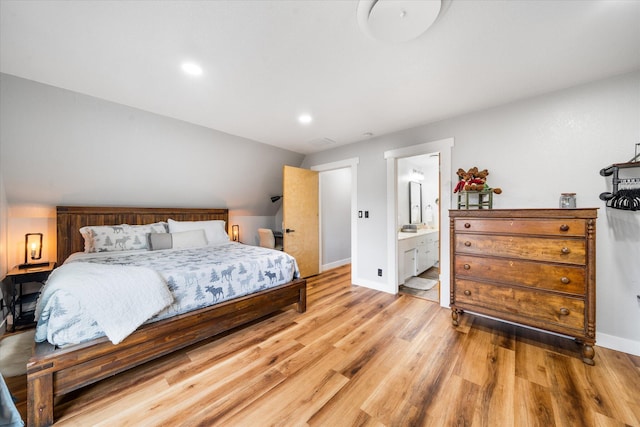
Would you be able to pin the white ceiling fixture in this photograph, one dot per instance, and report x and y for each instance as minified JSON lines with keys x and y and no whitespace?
{"x":305,"y":119}
{"x":397,"y":21}
{"x":192,"y":69}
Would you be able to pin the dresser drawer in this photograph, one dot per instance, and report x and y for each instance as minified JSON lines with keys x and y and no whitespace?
{"x":529,"y":304}
{"x":562,"y":278}
{"x":548,"y":227}
{"x":570,"y":251}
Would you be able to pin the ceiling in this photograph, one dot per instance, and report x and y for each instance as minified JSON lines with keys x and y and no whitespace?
{"x":267,"y":61}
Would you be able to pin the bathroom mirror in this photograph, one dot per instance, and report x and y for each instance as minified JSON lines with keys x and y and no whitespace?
{"x":415,"y":202}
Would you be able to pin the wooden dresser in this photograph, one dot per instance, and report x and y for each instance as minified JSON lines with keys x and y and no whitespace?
{"x":535,"y":267}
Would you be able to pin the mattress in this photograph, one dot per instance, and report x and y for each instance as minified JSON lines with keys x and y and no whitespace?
{"x":196,"y":277}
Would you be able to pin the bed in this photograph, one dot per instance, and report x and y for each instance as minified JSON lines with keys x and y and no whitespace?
{"x":53,"y":370}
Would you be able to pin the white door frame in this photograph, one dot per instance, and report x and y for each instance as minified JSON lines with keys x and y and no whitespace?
{"x":444,"y":147}
{"x":352,"y":164}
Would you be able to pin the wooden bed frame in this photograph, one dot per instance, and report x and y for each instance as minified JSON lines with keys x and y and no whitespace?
{"x":52,"y":371}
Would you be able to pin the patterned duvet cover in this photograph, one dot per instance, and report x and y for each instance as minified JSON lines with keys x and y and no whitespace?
{"x":197,"y":277}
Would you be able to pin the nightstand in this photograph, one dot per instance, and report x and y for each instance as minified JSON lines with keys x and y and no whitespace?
{"x":279,"y":240}
{"x":18,"y":277}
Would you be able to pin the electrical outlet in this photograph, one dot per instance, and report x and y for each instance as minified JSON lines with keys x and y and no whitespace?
{"x":366,"y":214}
{"x":380,"y":272}
{"x":359,"y":214}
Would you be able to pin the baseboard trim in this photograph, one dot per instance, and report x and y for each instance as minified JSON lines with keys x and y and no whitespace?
{"x":619,"y":344}
{"x":383,"y":287}
{"x":336,"y":264}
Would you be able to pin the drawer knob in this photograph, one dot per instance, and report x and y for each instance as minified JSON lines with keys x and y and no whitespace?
{"x":467,"y":266}
{"x":564,"y":311}
{"x":565,"y":280}
{"x":564,"y":227}
{"x":467,"y":292}
{"x":467,"y":225}
{"x":467,"y":243}
{"x":565,"y":250}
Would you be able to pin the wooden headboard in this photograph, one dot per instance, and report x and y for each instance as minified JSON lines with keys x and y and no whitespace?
{"x":69,"y":219}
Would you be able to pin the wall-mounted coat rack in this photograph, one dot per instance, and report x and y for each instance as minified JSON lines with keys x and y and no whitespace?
{"x":626,"y":191}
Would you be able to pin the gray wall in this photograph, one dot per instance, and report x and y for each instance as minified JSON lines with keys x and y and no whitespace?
{"x":335,"y":216}
{"x":60,"y":147}
{"x":534,"y":149}
{"x":4,"y":218}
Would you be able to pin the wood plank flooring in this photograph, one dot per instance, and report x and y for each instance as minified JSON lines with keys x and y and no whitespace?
{"x":359,"y":357}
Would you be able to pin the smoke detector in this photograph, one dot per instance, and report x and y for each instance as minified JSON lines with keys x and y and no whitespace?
{"x":397,"y":20}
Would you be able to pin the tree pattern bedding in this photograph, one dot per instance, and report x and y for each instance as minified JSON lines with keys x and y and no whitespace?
{"x":196,"y":277}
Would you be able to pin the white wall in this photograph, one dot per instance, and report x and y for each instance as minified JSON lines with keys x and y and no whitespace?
{"x":429,"y":166}
{"x":431,"y":191}
{"x":534,"y":149}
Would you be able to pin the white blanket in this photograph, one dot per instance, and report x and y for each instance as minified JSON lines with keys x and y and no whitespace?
{"x":118,"y":298}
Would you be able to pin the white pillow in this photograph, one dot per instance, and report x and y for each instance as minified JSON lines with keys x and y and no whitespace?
{"x":213,"y":230}
{"x":188,"y":239}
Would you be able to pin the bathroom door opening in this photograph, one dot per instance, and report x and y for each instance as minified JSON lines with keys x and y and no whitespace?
{"x":418,"y":199}
{"x":444,"y":147}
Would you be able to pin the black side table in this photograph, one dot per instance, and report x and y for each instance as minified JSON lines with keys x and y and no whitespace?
{"x":18,"y":277}
{"x":279,"y":240}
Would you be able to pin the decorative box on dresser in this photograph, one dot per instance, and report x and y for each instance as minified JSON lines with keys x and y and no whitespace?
{"x":534,"y":267}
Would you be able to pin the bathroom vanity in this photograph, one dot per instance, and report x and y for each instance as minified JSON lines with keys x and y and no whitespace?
{"x":417,"y":252}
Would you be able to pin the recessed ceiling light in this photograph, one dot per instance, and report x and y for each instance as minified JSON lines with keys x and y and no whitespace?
{"x":192,"y":69}
{"x":305,"y":119}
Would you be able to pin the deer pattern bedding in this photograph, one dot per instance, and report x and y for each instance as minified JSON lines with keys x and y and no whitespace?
{"x":196,"y":277}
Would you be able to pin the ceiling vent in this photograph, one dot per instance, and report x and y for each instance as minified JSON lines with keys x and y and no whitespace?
{"x":321,"y":142}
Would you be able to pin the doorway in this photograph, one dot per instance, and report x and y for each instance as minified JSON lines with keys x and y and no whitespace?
{"x":349,"y":167}
{"x":418,"y":195}
{"x":444,"y":148}
{"x":335,"y":218}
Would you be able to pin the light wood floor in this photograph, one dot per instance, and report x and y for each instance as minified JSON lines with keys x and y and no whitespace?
{"x":366,"y":358}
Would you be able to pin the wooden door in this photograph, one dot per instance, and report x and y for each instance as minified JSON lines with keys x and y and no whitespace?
{"x":300,"y":218}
